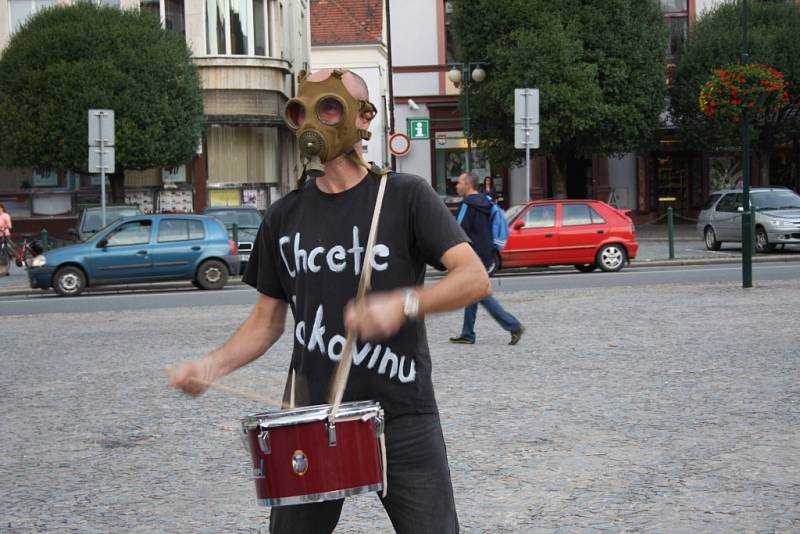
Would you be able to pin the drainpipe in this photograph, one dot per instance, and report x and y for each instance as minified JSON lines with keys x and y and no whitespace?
{"x":387,"y":8}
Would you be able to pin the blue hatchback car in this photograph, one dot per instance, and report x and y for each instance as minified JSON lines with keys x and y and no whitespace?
{"x":144,"y":248}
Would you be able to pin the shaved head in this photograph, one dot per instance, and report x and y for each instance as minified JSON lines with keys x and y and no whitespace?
{"x":355,"y":84}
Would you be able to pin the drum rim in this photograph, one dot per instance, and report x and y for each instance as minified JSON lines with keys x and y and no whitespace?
{"x":309,"y":414}
{"x":319,"y":497}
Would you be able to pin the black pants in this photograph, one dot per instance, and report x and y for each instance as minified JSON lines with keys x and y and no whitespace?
{"x":420,"y":496}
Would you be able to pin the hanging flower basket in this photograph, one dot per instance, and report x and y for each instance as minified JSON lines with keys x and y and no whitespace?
{"x":738,"y":90}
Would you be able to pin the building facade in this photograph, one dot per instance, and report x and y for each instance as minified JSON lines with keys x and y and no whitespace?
{"x":670,"y":175}
{"x":248,"y":53}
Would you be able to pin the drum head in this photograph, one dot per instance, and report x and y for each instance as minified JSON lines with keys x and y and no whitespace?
{"x":309,"y":414}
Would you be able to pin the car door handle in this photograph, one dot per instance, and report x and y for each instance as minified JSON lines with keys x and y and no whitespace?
{"x":601,"y":231}
{"x":142,"y":252}
{"x":548,"y":235}
{"x":197,"y":247}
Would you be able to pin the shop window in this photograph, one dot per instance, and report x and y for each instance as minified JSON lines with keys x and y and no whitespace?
{"x":451,"y":162}
{"x":169,"y":12}
{"x":238,"y":27}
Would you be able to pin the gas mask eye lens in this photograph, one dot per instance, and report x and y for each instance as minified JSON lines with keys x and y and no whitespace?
{"x":295,"y":114}
{"x":330,"y":111}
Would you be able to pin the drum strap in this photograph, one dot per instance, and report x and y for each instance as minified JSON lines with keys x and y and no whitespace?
{"x":343,"y":368}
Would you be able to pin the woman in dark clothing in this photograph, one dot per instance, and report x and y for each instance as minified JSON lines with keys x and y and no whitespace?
{"x":488,"y":189}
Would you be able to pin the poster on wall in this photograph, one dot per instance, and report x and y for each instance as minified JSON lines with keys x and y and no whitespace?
{"x":175,"y":201}
{"x":223,"y":197}
{"x":140,"y":197}
{"x":249,"y":197}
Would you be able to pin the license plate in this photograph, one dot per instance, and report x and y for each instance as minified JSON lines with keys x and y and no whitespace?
{"x":244,"y":257}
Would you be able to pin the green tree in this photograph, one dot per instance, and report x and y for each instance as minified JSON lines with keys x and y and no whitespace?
{"x":598,"y":64}
{"x":69,"y":59}
{"x":715,"y":42}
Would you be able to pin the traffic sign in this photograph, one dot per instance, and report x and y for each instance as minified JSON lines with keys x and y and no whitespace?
{"x":419,"y":128}
{"x":399,"y":144}
{"x":101,"y":127}
{"x":526,"y":136}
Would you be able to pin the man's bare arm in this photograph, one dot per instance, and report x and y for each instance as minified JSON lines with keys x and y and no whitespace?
{"x":381,"y":314}
{"x":262,"y":328}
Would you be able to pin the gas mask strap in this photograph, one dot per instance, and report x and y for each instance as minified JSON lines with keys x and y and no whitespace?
{"x":373,"y":169}
{"x":302,"y":180}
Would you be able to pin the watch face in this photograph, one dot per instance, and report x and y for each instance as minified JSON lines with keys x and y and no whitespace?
{"x":411,"y":304}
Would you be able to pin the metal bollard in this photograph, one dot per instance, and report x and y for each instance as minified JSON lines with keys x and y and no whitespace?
{"x":45,"y":245}
{"x":670,"y":234}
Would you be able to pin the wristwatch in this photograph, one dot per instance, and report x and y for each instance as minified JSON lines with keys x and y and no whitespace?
{"x":410,"y":304}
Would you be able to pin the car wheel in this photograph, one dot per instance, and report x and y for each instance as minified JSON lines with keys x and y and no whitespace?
{"x":762,"y":241}
{"x":69,"y":281}
{"x":586,"y":267}
{"x":495,"y":265}
{"x":212,"y":274}
{"x":611,"y":258}
{"x":711,"y":239}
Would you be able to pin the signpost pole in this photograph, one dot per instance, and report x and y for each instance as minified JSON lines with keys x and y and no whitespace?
{"x":527,"y":151}
{"x":526,"y":128}
{"x":102,"y":170}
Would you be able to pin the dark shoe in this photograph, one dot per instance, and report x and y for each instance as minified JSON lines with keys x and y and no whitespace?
{"x":515,"y":337}
{"x":462,"y":340}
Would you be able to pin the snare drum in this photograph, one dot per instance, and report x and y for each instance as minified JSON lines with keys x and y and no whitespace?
{"x":299,"y":457}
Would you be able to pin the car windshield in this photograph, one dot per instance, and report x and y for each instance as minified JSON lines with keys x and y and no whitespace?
{"x":93,"y":220}
{"x":513,"y":211}
{"x":242,"y":218}
{"x":774,"y":200}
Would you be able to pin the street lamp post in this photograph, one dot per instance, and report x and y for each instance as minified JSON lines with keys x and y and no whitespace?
{"x":467,"y":73}
{"x":747,"y":216}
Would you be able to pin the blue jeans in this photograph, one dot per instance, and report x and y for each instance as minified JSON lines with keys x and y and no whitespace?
{"x":420,"y":497}
{"x":506,"y":321}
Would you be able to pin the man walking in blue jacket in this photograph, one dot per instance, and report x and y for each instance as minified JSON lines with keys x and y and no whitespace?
{"x":475,"y":218}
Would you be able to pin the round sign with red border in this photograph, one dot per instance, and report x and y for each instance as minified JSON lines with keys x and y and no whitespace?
{"x":399,"y":144}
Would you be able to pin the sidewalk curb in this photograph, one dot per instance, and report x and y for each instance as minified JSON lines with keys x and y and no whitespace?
{"x":26,"y":291}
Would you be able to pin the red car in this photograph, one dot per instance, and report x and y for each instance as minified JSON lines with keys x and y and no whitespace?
{"x":585,"y":233}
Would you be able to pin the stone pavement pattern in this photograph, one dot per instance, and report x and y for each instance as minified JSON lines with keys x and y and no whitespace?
{"x":657,"y":409}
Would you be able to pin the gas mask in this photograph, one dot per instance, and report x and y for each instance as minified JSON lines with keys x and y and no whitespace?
{"x":323,"y":118}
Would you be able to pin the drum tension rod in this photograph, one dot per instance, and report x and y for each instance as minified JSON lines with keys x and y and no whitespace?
{"x":331,"y":433}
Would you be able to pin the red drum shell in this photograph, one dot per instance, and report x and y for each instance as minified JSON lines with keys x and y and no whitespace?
{"x":301,"y":466}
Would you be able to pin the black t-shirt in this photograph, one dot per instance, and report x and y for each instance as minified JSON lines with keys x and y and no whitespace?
{"x":309,"y":252}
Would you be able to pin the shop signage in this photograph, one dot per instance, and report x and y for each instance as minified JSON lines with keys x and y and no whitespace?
{"x":418,"y":128}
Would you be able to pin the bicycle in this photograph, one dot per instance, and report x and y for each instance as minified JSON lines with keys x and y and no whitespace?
{"x":22,"y":254}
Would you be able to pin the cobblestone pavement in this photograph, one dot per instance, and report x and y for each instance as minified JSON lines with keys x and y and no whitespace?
{"x":659,"y":409}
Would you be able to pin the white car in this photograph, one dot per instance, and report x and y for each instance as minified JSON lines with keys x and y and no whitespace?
{"x":776,"y":218}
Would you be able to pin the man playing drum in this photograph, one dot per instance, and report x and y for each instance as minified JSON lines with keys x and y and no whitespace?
{"x":309,"y":255}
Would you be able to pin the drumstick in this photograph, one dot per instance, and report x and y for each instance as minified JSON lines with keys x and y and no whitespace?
{"x":247,"y":394}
